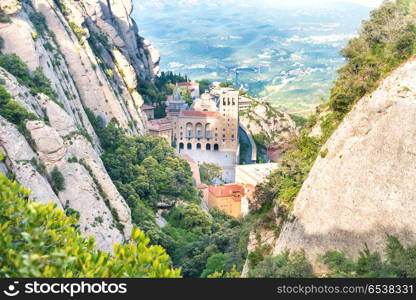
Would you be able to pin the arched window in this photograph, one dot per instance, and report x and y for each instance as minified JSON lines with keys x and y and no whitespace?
{"x":189,"y":146}
{"x":208,"y":131}
{"x":208,"y":147}
{"x":189,"y":130}
{"x":198,"y":130}
{"x":181,"y":146}
{"x":198,"y":146}
{"x":216,"y":147}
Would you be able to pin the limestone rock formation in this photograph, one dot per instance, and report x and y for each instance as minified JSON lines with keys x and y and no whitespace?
{"x":275,"y":128}
{"x":362,"y":188}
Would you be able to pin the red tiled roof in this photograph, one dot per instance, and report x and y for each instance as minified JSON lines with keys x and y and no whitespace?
{"x":229,"y":190}
{"x":159,"y":124}
{"x":147,"y":107}
{"x":197,"y":113}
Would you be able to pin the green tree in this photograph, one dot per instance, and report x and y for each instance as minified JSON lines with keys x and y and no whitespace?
{"x":187,"y":97}
{"x":204,"y":85}
{"x":38,"y":240}
{"x":190,"y":217}
{"x":209,"y":172}
{"x":284,"y":265}
{"x":215,"y":263}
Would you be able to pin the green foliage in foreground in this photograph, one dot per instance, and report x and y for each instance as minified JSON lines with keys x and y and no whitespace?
{"x":38,"y":240}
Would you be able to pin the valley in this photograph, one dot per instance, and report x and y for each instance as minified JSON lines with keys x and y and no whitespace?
{"x":287,"y":54}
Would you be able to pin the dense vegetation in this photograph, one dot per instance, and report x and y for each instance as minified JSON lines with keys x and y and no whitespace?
{"x":150,"y":177}
{"x":284,"y":265}
{"x":400,"y":262}
{"x":38,"y":240}
{"x":385,"y":41}
{"x":156,"y":93}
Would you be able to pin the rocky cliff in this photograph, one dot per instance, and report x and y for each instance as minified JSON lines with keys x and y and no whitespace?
{"x":94,"y":58}
{"x":361,"y":187}
{"x":262,"y":119}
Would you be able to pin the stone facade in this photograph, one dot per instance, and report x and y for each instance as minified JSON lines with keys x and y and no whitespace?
{"x":211,"y":130}
{"x":207,"y":131}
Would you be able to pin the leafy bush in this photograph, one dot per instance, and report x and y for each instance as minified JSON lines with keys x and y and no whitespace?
{"x":191,"y":218}
{"x":58,"y":180}
{"x":13,"y":111}
{"x":284,"y":265}
{"x":3,"y":17}
{"x":78,"y":31}
{"x":37,"y":82}
{"x":215,"y":263}
{"x":385,"y":41}
{"x":39,"y":22}
{"x":42,"y":242}
{"x":400,"y":262}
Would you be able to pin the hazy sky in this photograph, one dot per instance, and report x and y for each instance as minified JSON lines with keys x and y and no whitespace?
{"x":370,"y":3}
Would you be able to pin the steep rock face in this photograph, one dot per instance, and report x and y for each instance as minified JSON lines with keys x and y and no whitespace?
{"x":22,"y":161}
{"x":92,"y":54}
{"x":363,"y":187}
{"x":269,"y":126}
{"x":261,"y":118}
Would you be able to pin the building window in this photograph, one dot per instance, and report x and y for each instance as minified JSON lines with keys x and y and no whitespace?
{"x":216,"y":147}
{"x":181,"y":146}
{"x":208,"y":147}
{"x":198,"y":130}
{"x":198,"y":146}
{"x":208,"y":133}
{"x":189,"y":146}
{"x":189,"y":130}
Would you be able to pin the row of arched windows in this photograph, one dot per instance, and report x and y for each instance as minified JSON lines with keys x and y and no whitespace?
{"x":199,"y":130}
{"x":198,"y":146}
